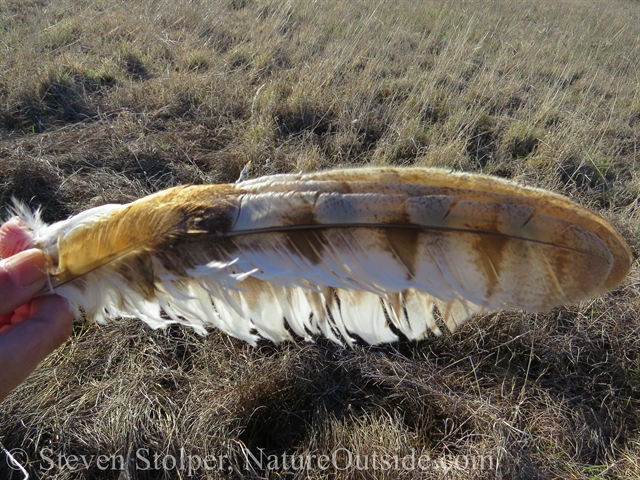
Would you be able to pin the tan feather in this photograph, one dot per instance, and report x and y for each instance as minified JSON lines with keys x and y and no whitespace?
{"x":364,"y":252}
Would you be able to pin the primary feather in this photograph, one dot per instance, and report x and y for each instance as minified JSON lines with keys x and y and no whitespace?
{"x":364,"y":252}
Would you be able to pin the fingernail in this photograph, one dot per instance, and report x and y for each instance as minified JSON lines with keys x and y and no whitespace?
{"x":26,"y":268}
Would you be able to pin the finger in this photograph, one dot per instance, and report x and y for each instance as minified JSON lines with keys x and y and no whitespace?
{"x":25,"y":344}
{"x":54,"y":309}
{"x":15,"y":236}
{"x":22,"y":277}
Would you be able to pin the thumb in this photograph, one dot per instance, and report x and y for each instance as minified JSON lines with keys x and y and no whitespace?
{"x":22,"y":277}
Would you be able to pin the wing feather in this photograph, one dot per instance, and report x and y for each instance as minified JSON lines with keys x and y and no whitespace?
{"x":365,"y":253}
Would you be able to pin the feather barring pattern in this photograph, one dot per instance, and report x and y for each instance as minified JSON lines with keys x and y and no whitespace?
{"x":369,"y":253}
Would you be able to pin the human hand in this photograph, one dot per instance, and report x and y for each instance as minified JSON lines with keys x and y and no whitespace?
{"x":31,"y":327}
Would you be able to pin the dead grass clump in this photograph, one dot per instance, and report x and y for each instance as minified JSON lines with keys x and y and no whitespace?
{"x":59,"y":99}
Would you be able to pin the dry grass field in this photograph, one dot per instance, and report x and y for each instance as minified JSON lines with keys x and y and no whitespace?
{"x":107,"y":100}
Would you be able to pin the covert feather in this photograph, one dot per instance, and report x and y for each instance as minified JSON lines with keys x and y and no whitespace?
{"x":363,"y":253}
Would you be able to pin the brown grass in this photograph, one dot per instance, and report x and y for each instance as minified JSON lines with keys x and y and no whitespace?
{"x":105,"y":101}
